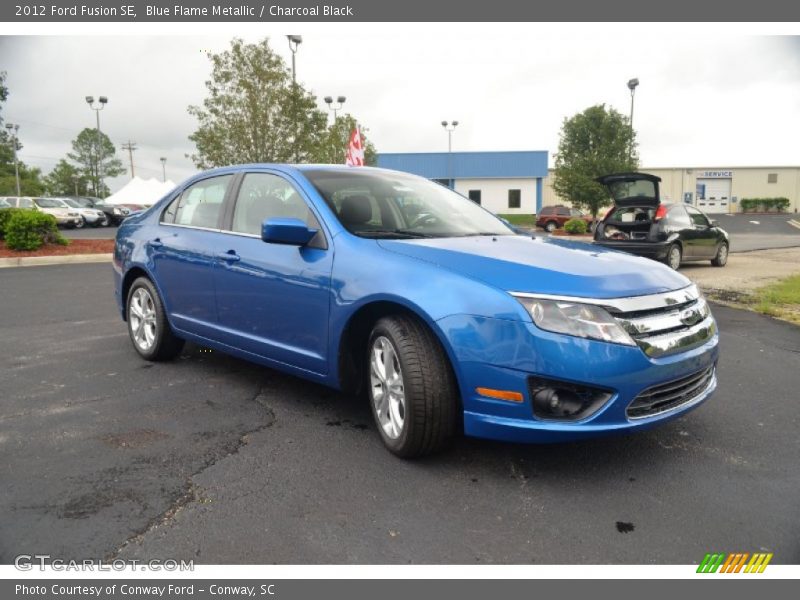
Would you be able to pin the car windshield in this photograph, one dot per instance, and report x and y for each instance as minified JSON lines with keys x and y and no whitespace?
{"x":49,"y":203}
{"x":638,"y":188}
{"x":72,"y":203}
{"x":395,"y":205}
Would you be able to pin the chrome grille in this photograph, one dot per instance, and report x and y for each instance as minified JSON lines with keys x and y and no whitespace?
{"x":667,"y":396}
{"x":681,"y":323}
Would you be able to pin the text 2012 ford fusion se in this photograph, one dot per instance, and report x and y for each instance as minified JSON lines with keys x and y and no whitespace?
{"x":382,"y":283}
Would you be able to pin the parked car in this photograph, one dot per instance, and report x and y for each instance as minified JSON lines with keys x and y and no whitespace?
{"x":90,"y":215}
{"x":551,"y":218}
{"x":445,"y":322}
{"x":65,"y":216}
{"x":4,"y":204}
{"x":114,"y":213}
{"x":640,"y":223}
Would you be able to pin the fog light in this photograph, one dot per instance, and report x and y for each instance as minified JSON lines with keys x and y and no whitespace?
{"x":562,"y":400}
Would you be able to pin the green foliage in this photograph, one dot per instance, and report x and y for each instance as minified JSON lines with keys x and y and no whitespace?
{"x":593,"y":143}
{"x":29,"y":177}
{"x":333,"y":143}
{"x":5,"y":215}
{"x":66,"y":180}
{"x":85,"y":151}
{"x":575,"y":226}
{"x":30,"y":229}
{"x":254,"y":113}
{"x":764,"y":204}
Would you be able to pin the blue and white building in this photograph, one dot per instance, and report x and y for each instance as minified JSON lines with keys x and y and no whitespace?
{"x":502,"y":182}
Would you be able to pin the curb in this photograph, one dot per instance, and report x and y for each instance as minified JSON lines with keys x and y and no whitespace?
{"x":67,"y":259}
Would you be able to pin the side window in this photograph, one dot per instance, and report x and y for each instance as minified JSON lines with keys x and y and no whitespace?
{"x":563,"y":211}
{"x":264,"y":196}
{"x":547,"y":211}
{"x":698,"y":218}
{"x":25,"y":203}
{"x":678,"y":217}
{"x":199,"y":205}
{"x":575,"y":213}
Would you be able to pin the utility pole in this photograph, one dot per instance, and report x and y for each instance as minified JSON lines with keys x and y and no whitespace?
{"x":130,"y":147}
{"x":163,"y":168}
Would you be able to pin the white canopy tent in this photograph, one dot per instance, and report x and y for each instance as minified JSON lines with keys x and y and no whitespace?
{"x":141,"y":191}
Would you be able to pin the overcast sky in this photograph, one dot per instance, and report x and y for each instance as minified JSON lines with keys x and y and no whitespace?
{"x":703,"y":101}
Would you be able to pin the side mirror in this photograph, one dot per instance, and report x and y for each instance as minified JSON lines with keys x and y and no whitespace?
{"x":286,"y":230}
{"x":712,"y":223}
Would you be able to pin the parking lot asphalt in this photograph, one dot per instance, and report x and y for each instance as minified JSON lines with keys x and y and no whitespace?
{"x":90,"y":233}
{"x":214,"y":459}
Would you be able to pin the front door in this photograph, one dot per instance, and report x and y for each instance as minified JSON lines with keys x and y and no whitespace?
{"x":705,"y":237}
{"x":272,"y":299}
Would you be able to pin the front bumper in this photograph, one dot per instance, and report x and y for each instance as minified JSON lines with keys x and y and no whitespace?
{"x":654,"y":250}
{"x":503,"y":354}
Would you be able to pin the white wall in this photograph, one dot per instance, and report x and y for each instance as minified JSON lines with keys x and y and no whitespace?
{"x":494,"y":193}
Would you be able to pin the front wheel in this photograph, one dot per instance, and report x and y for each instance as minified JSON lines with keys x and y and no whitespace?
{"x":721,"y":259}
{"x":104,"y":222}
{"x":674,"y":256}
{"x":80,"y":223}
{"x":412,"y":390}
{"x":148,"y":327}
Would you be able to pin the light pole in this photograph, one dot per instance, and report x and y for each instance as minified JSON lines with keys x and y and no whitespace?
{"x":163,"y":160}
{"x":102,"y":101}
{"x":294,"y":43}
{"x":449,"y":127}
{"x":335,"y":108}
{"x":632,"y":84}
{"x":13,"y":131}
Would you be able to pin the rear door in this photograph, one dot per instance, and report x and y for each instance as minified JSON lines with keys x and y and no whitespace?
{"x":678,"y":221}
{"x":274,"y":300}
{"x":182,"y":255}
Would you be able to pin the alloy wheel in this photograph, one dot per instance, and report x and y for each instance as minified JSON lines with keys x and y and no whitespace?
{"x":386,"y":387}
{"x":142,"y":317}
{"x":674,"y":258}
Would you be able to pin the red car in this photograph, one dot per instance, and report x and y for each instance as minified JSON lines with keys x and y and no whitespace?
{"x":551,"y":218}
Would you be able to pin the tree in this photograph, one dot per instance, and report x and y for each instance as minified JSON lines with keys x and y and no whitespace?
{"x":65,"y":180}
{"x":29,"y":177}
{"x":593,"y":143}
{"x":334,"y":143}
{"x":254,"y":113}
{"x":85,"y":154}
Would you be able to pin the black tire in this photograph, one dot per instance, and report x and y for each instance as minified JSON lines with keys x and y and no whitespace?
{"x":166,"y":345}
{"x":104,"y":222}
{"x":674,"y":257}
{"x":550,"y":226}
{"x":80,"y":224}
{"x":429,"y":386}
{"x":721,"y":259}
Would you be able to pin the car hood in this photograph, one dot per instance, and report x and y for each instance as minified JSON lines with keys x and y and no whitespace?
{"x":545,"y":266}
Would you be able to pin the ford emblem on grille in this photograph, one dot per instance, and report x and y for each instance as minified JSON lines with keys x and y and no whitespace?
{"x":690,"y":316}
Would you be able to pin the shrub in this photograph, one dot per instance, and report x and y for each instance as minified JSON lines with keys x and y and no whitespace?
{"x":575,"y":226}
{"x":29,"y":229}
{"x":764,"y":204}
{"x":5,"y":215}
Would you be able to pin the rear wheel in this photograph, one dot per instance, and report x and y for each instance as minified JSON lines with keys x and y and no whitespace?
{"x":551,"y":226}
{"x":80,"y":223}
{"x":674,"y":256}
{"x":412,"y":390}
{"x":104,"y":222}
{"x":148,"y":327}
{"x":721,"y":259}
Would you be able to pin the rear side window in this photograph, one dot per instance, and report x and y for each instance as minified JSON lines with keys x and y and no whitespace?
{"x":200,"y":205}
{"x":547,"y":210}
{"x":265,"y":196}
{"x":25,"y":203}
{"x":677,"y":216}
{"x":563,"y":211}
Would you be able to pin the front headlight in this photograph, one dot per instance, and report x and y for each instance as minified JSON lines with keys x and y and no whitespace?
{"x":117,"y":211}
{"x":574,"y":318}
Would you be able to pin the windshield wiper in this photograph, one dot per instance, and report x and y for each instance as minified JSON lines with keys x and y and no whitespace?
{"x":390,"y":233}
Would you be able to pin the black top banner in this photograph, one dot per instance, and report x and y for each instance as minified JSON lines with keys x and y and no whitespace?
{"x":402,"y":10}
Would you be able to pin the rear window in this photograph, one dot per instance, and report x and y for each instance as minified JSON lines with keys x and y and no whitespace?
{"x":626,"y":190}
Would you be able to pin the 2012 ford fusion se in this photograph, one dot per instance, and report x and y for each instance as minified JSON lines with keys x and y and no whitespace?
{"x":385,"y":284}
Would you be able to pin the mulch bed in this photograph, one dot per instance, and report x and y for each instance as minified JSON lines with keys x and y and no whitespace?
{"x":75,"y":247}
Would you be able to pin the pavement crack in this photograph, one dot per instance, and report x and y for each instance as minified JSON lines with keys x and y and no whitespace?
{"x":191,"y":493}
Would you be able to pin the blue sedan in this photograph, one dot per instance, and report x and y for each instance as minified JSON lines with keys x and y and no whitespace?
{"x":389,"y":286}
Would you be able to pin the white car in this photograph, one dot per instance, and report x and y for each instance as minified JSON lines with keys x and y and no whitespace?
{"x":64,"y":214}
{"x":91,"y":216}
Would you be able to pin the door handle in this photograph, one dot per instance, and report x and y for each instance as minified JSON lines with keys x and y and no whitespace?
{"x":156,"y":243}
{"x":229,"y":256}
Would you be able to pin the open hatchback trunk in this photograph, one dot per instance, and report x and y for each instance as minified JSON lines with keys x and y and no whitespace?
{"x":635,"y":212}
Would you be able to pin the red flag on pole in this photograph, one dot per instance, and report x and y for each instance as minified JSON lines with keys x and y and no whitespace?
{"x":354,"y":157}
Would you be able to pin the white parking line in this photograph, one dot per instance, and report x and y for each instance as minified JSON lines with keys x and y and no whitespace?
{"x":794,"y":223}
{"x":756,"y":222}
